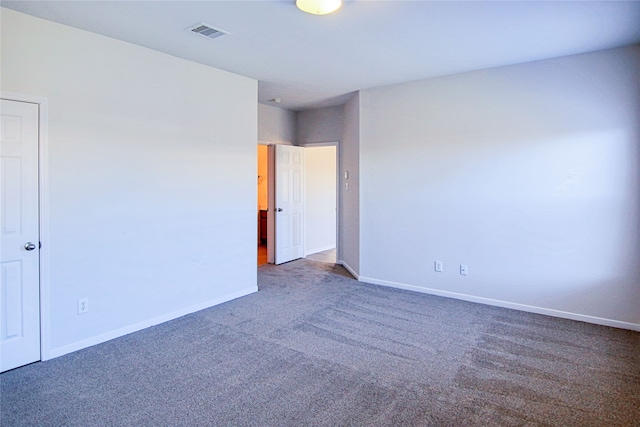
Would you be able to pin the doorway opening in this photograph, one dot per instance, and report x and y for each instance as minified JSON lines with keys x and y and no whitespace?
{"x":263,"y":202}
{"x":321,"y":198}
{"x":317,"y":227}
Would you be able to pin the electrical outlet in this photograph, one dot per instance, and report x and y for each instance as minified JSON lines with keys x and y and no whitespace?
{"x":463,"y":269}
{"x":437,"y":266}
{"x":83,"y":305}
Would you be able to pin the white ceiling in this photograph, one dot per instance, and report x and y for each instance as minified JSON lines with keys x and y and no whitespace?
{"x":312,"y":61}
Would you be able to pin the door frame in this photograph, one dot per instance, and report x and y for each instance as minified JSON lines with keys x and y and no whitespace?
{"x":271,"y":193}
{"x":271,"y":197}
{"x":43,"y":210}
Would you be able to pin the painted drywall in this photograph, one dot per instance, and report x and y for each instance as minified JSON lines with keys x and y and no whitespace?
{"x":320,"y":198}
{"x":152,"y":185}
{"x":349,"y":193}
{"x":528,"y":174}
{"x":263,"y":177}
{"x":276,"y":125}
{"x":320,"y":125}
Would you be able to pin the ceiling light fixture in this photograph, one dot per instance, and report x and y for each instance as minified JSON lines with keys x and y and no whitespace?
{"x":318,"y":7}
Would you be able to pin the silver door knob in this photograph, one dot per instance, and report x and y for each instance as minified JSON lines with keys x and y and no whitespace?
{"x":29,"y":246}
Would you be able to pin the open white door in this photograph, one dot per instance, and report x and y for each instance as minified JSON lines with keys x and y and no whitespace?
{"x":289,"y":203}
{"x":19,"y":259}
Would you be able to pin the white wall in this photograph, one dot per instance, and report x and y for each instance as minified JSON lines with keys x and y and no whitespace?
{"x":349,"y":200}
{"x":528,"y":174}
{"x":320,"y":198}
{"x":152,"y":188}
{"x":276,"y":125}
{"x":320,"y":125}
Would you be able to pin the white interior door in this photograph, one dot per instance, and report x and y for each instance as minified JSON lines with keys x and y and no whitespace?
{"x":19,"y":259}
{"x":289,"y":203}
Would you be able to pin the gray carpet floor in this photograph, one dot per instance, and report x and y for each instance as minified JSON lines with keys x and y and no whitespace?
{"x":316,"y":348}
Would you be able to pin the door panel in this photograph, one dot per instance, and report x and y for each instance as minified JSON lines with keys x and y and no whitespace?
{"x":289,"y":203}
{"x":19,"y":266}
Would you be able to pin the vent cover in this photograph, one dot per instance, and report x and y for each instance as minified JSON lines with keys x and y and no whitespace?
{"x":206,"y":30}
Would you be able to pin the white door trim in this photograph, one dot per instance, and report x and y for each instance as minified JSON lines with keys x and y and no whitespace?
{"x":43,"y":202}
{"x":321,"y":144}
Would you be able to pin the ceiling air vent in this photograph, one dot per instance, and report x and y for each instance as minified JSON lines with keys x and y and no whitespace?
{"x":206,"y":30}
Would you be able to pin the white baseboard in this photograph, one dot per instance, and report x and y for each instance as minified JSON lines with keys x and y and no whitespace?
{"x":506,"y":304}
{"x":98,"y":339}
{"x":348,"y":268}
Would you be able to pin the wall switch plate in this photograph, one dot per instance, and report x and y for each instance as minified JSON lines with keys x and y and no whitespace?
{"x":463,"y":269}
{"x":83,"y":305}
{"x":437,"y":266}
